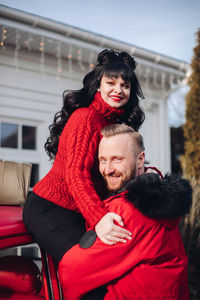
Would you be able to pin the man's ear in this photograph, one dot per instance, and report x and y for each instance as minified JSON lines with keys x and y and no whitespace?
{"x":141,"y":158}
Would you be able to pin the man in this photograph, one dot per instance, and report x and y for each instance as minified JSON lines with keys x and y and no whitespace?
{"x":153,"y":263}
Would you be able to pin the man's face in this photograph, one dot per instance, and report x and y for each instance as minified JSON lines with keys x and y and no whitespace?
{"x":120,"y":159}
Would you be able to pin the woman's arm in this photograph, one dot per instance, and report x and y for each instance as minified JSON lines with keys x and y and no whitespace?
{"x":79,"y":144}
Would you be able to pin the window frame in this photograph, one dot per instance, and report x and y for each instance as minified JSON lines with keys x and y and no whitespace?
{"x":20,"y":125}
{"x":18,"y":154}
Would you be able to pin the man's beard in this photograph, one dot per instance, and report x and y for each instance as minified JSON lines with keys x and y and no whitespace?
{"x":121,"y":183}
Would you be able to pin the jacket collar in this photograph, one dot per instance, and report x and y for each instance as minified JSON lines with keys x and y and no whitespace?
{"x":165,"y":200}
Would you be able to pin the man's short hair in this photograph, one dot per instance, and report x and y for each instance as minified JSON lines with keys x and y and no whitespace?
{"x":116,"y":129}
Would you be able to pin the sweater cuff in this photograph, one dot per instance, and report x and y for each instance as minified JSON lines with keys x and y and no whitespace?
{"x":90,"y":224}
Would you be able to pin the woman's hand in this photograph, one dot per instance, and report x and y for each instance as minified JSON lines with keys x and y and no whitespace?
{"x":109,"y":233}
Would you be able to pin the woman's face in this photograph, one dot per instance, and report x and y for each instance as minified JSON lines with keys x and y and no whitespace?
{"x":115,"y":91}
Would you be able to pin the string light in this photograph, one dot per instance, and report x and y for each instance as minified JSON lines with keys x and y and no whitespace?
{"x":59,"y":61}
{"x":28,"y":42}
{"x":42,"y":44}
{"x":69,"y":59}
{"x":3,"y":37}
{"x":79,"y":59}
{"x":42,"y":56}
{"x":91,"y":58}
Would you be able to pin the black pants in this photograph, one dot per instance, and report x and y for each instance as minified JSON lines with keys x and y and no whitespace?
{"x":55,"y":228}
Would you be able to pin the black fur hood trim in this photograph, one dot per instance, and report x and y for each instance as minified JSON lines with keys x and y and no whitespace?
{"x":167,"y":198}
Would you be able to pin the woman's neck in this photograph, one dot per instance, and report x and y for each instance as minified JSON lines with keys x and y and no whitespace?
{"x":105,"y":109}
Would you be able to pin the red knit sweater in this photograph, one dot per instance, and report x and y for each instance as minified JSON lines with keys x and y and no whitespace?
{"x":71,"y":181}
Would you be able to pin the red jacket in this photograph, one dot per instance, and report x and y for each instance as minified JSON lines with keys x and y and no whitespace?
{"x":153,"y":265}
{"x":74,"y":179}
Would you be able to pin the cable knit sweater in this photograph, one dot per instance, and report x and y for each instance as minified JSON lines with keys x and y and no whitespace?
{"x":74,"y":177}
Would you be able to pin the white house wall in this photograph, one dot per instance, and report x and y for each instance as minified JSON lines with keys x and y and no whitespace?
{"x":32,"y":98}
{"x":155,"y":131}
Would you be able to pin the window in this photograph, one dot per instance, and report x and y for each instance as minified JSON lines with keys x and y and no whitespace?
{"x":177,"y":149}
{"x":17,"y":136}
{"x":9,"y":135}
{"x":18,"y":141}
{"x":28,"y":137}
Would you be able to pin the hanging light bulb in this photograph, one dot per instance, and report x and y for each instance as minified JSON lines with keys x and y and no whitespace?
{"x":28,"y":42}
{"x":69,"y":59}
{"x":3,"y":37}
{"x":91,"y":58}
{"x":42,"y":56}
{"x":79,"y":59}
{"x":42,"y":44}
{"x":59,"y":61}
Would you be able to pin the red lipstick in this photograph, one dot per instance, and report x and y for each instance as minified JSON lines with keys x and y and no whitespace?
{"x":115,"y":98}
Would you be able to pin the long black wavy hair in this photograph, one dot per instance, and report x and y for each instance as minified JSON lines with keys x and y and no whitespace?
{"x":112,"y":64}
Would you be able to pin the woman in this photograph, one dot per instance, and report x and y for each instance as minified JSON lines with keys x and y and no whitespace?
{"x":71,"y":192}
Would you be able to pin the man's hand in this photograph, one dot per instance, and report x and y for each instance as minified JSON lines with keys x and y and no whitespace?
{"x":109,"y":233}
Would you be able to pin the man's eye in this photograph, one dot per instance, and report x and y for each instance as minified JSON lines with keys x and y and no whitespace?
{"x":102,"y":161}
{"x":109,"y":82}
{"x":118,"y":159}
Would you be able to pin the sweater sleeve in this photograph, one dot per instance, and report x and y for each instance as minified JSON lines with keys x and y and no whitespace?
{"x":100,"y":263}
{"x":80,"y":145}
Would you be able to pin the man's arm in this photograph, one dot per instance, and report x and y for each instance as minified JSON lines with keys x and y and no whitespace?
{"x":82,"y":270}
